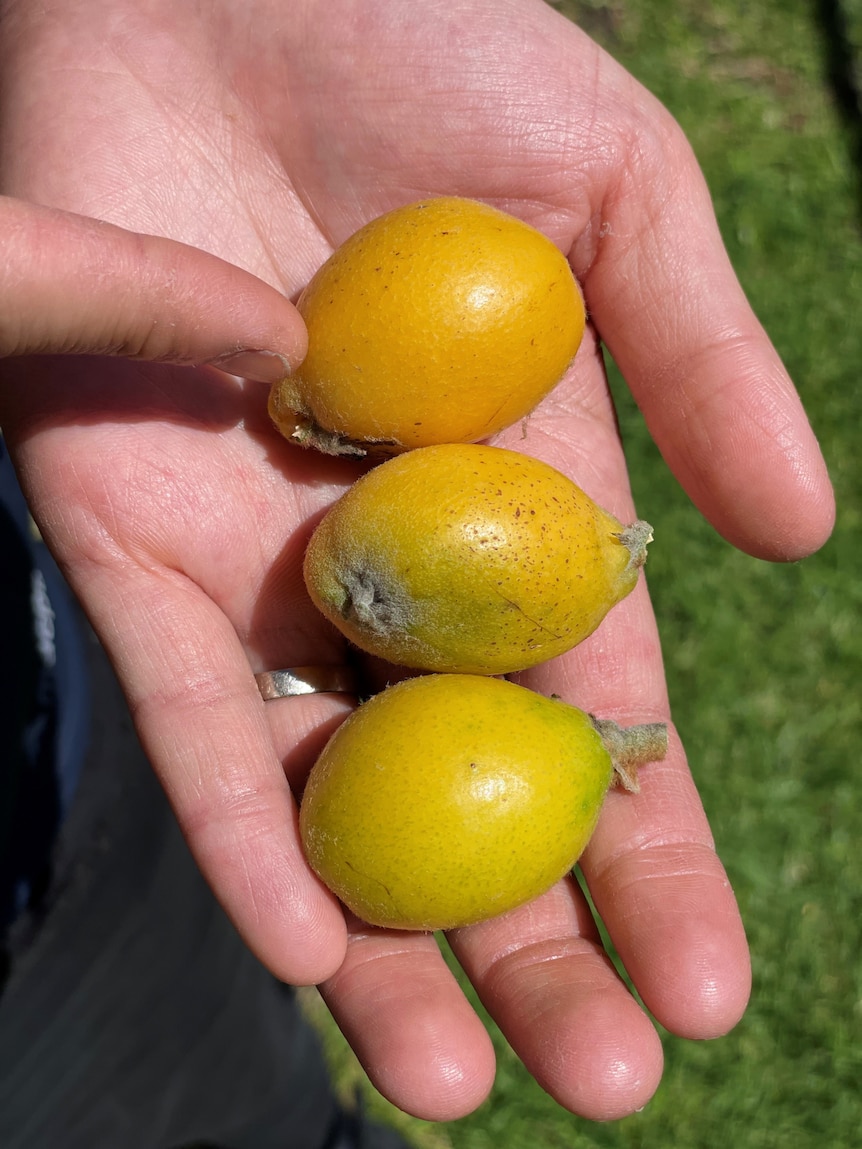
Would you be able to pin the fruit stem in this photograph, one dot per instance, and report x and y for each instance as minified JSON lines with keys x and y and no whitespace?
{"x":631,"y":747}
{"x":636,"y":537}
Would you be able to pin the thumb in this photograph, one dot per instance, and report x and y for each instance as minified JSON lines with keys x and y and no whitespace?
{"x":74,"y":285}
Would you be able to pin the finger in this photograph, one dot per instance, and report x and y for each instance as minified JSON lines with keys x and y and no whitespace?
{"x":70,"y":284}
{"x":205,"y":729}
{"x":719,"y":403}
{"x":651,"y":866}
{"x":656,"y":880}
{"x":408,"y":1021}
{"x":543,"y":976}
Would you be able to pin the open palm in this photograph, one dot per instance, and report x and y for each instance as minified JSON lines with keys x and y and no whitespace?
{"x":265,"y":133}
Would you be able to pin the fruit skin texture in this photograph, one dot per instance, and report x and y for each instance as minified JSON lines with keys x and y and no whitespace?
{"x":448,"y":799}
{"x":440,"y":322}
{"x":467,"y":558}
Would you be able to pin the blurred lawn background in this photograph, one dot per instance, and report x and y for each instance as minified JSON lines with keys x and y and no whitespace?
{"x":763,"y":661}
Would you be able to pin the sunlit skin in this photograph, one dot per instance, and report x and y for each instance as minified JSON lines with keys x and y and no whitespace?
{"x":267,"y":133}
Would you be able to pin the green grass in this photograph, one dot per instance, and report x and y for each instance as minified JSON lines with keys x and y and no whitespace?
{"x":763,"y":661}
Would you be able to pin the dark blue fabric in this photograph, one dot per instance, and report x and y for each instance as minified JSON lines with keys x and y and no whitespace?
{"x":44,"y":702}
{"x":131,"y":1013}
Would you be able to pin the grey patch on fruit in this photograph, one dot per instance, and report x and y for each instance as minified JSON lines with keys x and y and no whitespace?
{"x":308,"y":433}
{"x":372,"y":603}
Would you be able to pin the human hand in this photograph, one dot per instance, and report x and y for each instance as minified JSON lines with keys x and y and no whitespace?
{"x":266,"y":134}
{"x":73,"y":285}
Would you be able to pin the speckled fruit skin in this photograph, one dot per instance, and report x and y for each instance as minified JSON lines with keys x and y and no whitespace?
{"x":449,"y":799}
{"x":467,"y":558}
{"x":440,"y":322}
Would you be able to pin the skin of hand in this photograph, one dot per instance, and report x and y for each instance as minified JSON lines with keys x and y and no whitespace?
{"x":266,"y":133}
{"x":72,"y":285}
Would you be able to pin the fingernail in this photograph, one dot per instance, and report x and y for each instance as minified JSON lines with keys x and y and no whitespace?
{"x":261,"y":366}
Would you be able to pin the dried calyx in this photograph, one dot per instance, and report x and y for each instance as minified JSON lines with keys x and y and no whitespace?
{"x":631,"y":747}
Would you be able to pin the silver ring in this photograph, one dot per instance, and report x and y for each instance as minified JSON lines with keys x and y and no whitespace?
{"x":297,"y":680}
